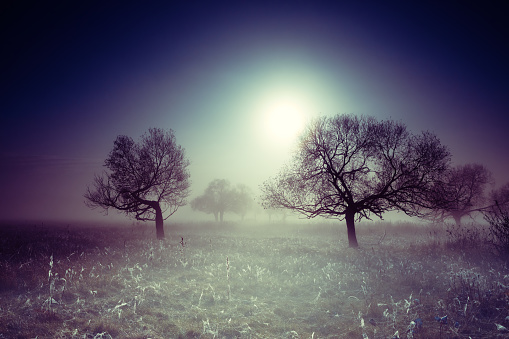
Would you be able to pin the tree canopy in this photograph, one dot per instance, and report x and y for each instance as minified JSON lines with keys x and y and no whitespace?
{"x":500,"y":197}
{"x":462,"y":192}
{"x":220,"y":197}
{"x":350,"y":167}
{"x":144,"y":180}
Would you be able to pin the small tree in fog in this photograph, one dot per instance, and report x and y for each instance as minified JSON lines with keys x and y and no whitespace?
{"x":217,"y":199}
{"x":144,"y":179}
{"x":242,"y":200}
{"x":220,"y":197}
{"x":350,"y":167}
{"x":462,"y":192}
{"x":500,"y":197}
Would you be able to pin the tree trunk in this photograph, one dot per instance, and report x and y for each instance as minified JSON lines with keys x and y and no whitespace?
{"x":350,"y":226}
{"x":215,"y":216}
{"x":159,"y":222}
{"x":457,"y":218}
{"x":221,"y":216}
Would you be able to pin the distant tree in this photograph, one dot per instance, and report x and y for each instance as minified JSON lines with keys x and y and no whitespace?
{"x":220,"y":197}
{"x":462,"y":192}
{"x":497,"y":215}
{"x":144,"y":179}
{"x":350,"y":167}
{"x":500,"y":197}
{"x":205,"y":204}
{"x":217,"y":199}
{"x":242,"y":200}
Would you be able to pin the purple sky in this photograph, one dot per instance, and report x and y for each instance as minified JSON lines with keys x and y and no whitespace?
{"x":76,"y":76}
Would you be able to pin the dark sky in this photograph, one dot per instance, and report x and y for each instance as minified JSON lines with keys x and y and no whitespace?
{"x":76,"y":75}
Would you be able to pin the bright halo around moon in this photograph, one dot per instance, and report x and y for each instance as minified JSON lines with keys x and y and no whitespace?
{"x":284,"y":120}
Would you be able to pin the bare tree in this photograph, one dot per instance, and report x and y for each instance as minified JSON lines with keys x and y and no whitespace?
{"x":145,"y":180}
{"x":242,"y":200}
{"x":500,"y":197}
{"x":350,"y":167}
{"x":497,"y":215}
{"x":220,"y":197}
{"x":462,"y":192}
{"x":217,"y":199}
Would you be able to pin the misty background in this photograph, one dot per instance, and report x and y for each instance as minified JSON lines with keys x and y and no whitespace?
{"x":78,"y":75}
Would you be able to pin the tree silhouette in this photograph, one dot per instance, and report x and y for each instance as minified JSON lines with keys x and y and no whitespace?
{"x":497,"y":215}
{"x":462,"y":192}
{"x":500,"y":197}
{"x":350,"y":167}
{"x":144,"y":179}
{"x":219,"y":197}
{"x":242,"y":200}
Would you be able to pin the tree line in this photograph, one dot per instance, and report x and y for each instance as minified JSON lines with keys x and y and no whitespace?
{"x":346,"y":167}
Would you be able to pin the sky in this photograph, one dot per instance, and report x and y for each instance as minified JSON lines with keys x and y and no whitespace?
{"x":236,"y":83}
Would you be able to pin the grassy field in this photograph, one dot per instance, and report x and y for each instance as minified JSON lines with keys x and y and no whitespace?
{"x":237,"y":281}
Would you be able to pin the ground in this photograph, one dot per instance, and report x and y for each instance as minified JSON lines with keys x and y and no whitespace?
{"x":250,"y":281}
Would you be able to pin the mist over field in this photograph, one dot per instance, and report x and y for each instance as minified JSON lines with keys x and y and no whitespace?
{"x":236,"y":83}
{"x":274,"y":280}
{"x":254,"y":170}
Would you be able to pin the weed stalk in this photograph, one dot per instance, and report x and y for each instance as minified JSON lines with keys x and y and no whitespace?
{"x":228,"y":276}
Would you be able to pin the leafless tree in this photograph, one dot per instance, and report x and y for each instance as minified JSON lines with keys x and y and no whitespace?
{"x":351,"y":167}
{"x":497,"y":215}
{"x":462,"y":192}
{"x":217,"y":199}
{"x":243,"y":200}
{"x":145,"y":180}
{"x":220,"y":197}
{"x":500,"y":197}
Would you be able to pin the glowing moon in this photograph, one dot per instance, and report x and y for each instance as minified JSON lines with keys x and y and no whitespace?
{"x":284,"y":120}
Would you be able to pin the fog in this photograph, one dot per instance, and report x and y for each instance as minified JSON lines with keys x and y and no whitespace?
{"x":236,"y":84}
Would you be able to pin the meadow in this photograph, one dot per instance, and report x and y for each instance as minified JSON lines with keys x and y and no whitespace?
{"x":251,"y":281}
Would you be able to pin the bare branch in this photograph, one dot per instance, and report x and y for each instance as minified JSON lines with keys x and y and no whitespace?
{"x":144,"y":179}
{"x":348,"y":165}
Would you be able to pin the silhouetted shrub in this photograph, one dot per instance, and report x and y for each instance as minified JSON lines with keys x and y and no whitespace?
{"x":498,"y":218}
{"x":466,"y":236}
